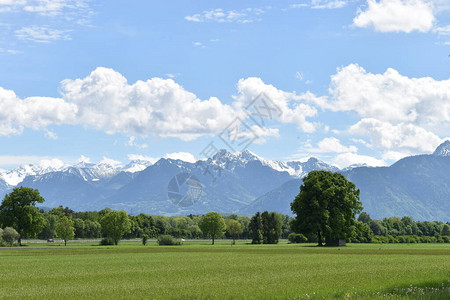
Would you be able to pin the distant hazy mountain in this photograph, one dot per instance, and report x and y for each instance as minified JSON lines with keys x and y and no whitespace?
{"x":417,"y":186}
{"x":228,"y":181}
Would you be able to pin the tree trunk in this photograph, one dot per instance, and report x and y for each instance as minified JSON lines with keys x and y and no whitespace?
{"x":319,"y":236}
{"x":213,"y":239}
{"x":65,"y":242}
{"x":20,"y":241}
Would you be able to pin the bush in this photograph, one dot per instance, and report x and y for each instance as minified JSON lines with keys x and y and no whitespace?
{"x":10,"y":236}
{"x":168,"y":240}
{"x":144,"y":239}
{"x":107,"y":242}
{"x":297,"y":238}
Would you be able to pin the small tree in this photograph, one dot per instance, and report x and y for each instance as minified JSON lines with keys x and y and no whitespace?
{"x":18,"y":211}
{"x":213,"y":224}
{"x":10,"y":236}
{"x":234,"y":228}
{"x":256,"y":229}
{"x":65,"y":229}
{"x":115,"y":224}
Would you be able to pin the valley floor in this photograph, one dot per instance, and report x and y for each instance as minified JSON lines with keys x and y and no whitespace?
{"x":198,"y":270}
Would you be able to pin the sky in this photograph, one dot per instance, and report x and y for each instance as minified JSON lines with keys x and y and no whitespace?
{"x":345,"y":81}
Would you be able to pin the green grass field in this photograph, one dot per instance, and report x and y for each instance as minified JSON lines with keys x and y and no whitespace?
{"x":197,"y":270}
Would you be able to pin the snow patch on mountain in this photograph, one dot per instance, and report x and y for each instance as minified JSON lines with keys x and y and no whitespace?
{"x":443,"y":149}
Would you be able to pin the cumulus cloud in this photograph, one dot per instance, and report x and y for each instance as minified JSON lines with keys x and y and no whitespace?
{"x":347,"y":159}
{"x":390,"y":96}
{"x":408,"y":138}
{"x":84,"y":159}
{"x":33,"y":112}
{"x":287,"y":107}
{"x":184,"y":156}
{"x":220,"y":15}
{"x":396,"y":16}
{"x":106,"y":101}
{"x":331,"y":145}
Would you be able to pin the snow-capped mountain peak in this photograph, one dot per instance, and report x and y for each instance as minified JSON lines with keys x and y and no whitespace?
{"x":443,"y":149}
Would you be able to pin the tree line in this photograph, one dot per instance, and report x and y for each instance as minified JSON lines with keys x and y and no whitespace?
{"x":19,"y":214}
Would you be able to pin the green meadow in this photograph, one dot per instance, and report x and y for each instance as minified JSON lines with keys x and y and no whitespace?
{"x":198,"y":270}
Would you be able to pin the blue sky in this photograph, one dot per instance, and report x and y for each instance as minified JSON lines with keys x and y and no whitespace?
{"x":351,"y":81}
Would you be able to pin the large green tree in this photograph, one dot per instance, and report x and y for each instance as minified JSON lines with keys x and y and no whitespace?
{"x":65,"y":229}
{"x":115,"y":224}
{"x":326,"y":205}
{"x":213,"y":224}
{"x":19,"y":212}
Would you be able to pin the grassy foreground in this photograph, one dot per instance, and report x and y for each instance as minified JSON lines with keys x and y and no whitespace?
{"x":197,"y":270}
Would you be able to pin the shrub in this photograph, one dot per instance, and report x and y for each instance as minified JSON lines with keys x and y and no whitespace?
{"x":168,"y":240}
{"x":144,"y":239}
{"x":107,"y":242}
{"x":10,"y":236}
{"x":297,"y":238}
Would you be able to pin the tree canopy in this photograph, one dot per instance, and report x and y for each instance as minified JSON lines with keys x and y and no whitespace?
{"x":326,"y":206}
{"x":19,"y":212}
{"x":213,"y":224}
{"x":234,"y":228}
{"x":65,"y":229}
{"x":115,"y":224}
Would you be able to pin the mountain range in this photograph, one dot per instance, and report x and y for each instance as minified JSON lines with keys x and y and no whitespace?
{"x":242,"y":183}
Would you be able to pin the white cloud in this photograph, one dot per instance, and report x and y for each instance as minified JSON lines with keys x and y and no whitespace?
{"x":41,"y":34}
{"x":53,"y":163}
{"x":403,"y":138}
{"x":445,"y":30}
{"x":298,"y":5}
{"x":184,"y":156}
{"x":396,"y":16}
{"x":19,"y":160}
{"x":219,"y":15}
{"x":53,"y":7}
{"x":51,"y":135}
{"x":290,"y":106}
{"x":347,"y":159}
{"x":331,"y":145}
{"x":84,"y":159}
{"x":105,"y":101}
{"x":132,"y":157}
{"x":328,"y":4}
{"x":110,"y":161}
{"x":390,"y":96}
{"x":198,"y":44}
{"x":33,"y":112}
{"x":133,"y":143}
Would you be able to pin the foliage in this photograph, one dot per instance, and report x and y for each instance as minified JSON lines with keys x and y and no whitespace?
{"x":327,"y":205}
{"x":168,"y":240}
{"x":144,"y":239}
{"x":234,"y":228}
{"x":18,"y":211}
{"x":297,"y":238}
{"x":213,"y":224}
{"x":271,"y":224}
{"x":363,"y":233}
{"x":107,"y":241}
{"x":115,"y":224}
{"x":256,"y":229}
{"x":9,"y":236}
{"x":65,"y":229}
